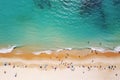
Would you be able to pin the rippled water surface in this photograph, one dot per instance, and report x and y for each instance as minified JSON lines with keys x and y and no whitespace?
{"x":60,"y":23}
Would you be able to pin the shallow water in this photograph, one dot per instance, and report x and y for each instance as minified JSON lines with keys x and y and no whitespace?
{"x":60,"y":23}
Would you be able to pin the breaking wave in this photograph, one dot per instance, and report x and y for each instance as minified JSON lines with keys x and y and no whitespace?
{"x":99,"y":49}
{"x":8,"y":49}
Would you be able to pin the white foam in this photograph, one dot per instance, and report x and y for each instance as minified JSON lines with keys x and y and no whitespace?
{"x":68,"y":48}
{"x":98,"y":49}
{"x":59,"y":50}
{"x":47,"y":51}
{"x":39,"y":52}
{"x":117,"y":49}
{"x":7,"y":50}
{"x":36,"y":53}
{"x":50,"y":51}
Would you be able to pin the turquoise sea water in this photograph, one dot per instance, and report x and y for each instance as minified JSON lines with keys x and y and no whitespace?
{"x":60,"y":23}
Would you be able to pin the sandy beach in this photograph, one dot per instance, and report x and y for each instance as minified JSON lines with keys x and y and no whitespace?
{"x":65,"y":65}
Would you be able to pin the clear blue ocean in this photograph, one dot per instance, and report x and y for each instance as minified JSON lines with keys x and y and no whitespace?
{"x":60,"y":23}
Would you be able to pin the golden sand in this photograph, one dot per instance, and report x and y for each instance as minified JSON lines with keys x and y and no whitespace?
{"x":66,"y":54}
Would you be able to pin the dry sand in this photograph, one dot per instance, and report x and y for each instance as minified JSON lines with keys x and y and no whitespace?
{"x":65,"y":65}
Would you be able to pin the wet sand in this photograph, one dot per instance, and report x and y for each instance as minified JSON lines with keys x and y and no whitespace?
{"x":64,"y":65}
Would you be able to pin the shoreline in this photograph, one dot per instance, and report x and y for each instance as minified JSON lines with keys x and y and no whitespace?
{"x":61,"y":55}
